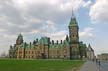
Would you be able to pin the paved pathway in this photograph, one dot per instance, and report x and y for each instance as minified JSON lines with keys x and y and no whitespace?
{"x":89,"y":66}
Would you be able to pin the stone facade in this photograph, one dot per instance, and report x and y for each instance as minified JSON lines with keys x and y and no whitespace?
{"x":74,"y":39}
{"x":103,"y":56}
{"x":44,"y":48}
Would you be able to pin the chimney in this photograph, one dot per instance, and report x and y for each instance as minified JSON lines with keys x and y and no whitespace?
{"x":52,"y":41}
{"x":61,"y":41}
{"x":57,"y":42}
{"x":36,"y":40}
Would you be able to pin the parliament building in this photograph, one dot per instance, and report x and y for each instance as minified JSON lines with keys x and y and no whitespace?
{"x":45,"y":48}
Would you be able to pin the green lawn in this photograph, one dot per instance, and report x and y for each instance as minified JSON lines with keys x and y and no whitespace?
{"x":39,"y":65}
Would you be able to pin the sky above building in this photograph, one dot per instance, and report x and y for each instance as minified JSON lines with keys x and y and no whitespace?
{"x":37,"y":18}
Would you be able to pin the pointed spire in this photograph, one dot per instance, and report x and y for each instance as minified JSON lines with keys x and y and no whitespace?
{"x":73,"y":21}
{"x":20,"y":35}
{"x":61,"y":41}
{"x":34,"y":42}
{"x":19,"y":39}
{"x":73,"y":15}
{"x":52,"y":41}
{"x":89,"y":46}
{"x":57,"y":42}
{"x":67,"y":38}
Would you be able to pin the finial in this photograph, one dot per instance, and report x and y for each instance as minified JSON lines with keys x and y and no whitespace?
{"x":73,"y":13}
{"x":20,"y":34}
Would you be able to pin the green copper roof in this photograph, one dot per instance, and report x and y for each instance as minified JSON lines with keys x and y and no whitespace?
{"x":73,"y":22}
{"x":27,"y":46}
{"x":22,"y":45}
{"x":56,"y":45}
{"x":44,"y":40}
{"x":66,"y":42}
{"x":20,"y":37}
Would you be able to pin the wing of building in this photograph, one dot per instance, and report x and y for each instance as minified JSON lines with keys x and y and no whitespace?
{"x":45,"y":48}
{"x":103,"y":56}
{"x":90,"y":53}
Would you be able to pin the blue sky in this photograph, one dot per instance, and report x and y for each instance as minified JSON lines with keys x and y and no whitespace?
{"x":36,"y":18}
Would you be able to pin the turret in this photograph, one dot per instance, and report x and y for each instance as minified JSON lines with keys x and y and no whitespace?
{"x":10,"y":46}
{"x":19,"y":39}
{"x":37,"y":40}
{"x":34,"y":42}
{"x":53,"y":42}
{"x":61,"y":41}
{"x":67,"y":38}
{"x":57,"y":42}
{"x":73,"y":29}
{"x":74,"y":38}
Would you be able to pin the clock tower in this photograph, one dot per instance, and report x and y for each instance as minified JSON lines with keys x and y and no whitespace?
{"x":74,"y":38}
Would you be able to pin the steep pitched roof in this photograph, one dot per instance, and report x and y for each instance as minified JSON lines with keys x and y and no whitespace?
{"x":90,"y":48}
{"x":20,"y":37}
{"x":73,"y":21}
{"x":44,"y":40}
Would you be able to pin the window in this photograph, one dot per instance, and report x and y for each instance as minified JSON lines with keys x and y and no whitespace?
{"x":32,"y":52}
{"x":20,"y":52}
{"x":38,"y":52}
{"x":65,"y":51}
{"x":26,"y":52}
{"x":57,"y":52}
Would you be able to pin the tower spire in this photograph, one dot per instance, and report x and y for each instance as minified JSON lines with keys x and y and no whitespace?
{"x":73,"y":37}
{"x":19,"y":39}
{"x":73,"y":16}
{"x":73,"y":21}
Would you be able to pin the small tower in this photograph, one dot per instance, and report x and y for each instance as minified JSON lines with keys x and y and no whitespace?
{"x":74,"y":38}
{"x":90,"y":53}
{"x":19,"y":39}
{"x":67,"y":38}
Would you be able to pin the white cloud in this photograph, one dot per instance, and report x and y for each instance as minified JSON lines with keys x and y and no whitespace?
{"x":2,"y":18}
{"x":60,"y":35}
{"x":47,"y":26}
{"x":29,"y":22}
{"x":2,"y":30}
{"x":50,"y":25}
{"x":88,"y":4}
{"x":50,"y":22}
{"x":87,"y":33}
{"x":99,"y":11}
{"x":75,"y":4}
{"x":35,"y":20}
{"x":9,"y":36}
{"x":55,"y":4}
{"x":31,"y":32}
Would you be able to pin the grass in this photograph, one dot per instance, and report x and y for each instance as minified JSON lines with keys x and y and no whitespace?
{"x":39,"y":65}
